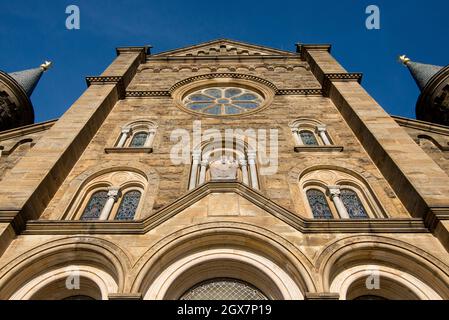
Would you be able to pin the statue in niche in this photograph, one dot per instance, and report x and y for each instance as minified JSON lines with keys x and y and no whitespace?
{"x":224,"y":169}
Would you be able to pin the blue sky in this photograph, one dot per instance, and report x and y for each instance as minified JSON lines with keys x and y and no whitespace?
{"x":32,"y":31}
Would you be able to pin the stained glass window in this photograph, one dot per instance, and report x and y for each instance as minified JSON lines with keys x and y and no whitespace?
{"x":319,"y":205}
{"x":95,"y":206}
{"x":128,"y":206}
{"x":223,"y":101}
{"x":139,"y":140}
{"x":353,"y":204}
{"x":308,"y":138}
{"x":225,"y":290}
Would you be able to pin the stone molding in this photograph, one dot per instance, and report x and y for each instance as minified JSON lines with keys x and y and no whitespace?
{"x":128,"y":150}
{"x":104,"y":80}
{"x":279,"y":92}
{"x":319,"y":149}
{"x":212,"y":76}
{"x":41,"y":227}
{"x":329,"y":78}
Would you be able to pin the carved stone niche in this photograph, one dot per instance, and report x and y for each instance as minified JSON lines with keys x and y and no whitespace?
{"x":224,"y":169}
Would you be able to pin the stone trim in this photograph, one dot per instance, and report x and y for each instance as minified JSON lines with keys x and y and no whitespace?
{"x":30,"y":129}
{"x":322,"y":296}
{"x":329,"y":78}
{"x":355,"y":76}
{"x":125,"y":296}
{"x":280,"y":92}
{"x":145,"y":94}
{"x":422,"y":125}
{"x":299,"y":92}
{"x":103,"y":80}
{"x":303,"y":48}
{"x":330,"y":148}
{"x":212,"y":76}
{"x":372,"y":226}
{"x":128,"y":150}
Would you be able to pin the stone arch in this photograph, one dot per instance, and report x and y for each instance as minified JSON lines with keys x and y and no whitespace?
{"x":345,"y":177}
{"x":162,"y":266}
{"x":343,"y":261}
{"x":88,"y":254}
{"x":75,"y":188}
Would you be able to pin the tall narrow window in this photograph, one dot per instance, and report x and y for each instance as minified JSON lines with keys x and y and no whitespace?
{"x":353,"y":204}
{"x":95,"y":206}
{"x":308,"y":138}
{"x":139,"y":140}
{"x":319,"y":205}
{"x":128,"y":206}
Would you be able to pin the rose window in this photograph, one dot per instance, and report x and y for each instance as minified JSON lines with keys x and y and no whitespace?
{"x":223,"y":101}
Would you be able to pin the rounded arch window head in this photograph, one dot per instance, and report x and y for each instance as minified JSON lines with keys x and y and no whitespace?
{"x":220,"y":101}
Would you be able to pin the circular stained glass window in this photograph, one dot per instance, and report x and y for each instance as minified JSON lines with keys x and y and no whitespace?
{"x":223,"y":101}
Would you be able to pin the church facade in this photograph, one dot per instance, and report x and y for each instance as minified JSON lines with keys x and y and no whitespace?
{"x":225,"y":170}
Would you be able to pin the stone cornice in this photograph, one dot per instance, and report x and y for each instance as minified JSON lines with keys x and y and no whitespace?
{"x":421,"y":125}
{"x":104,"y":80}
{"x":329,"y":78}
{"x":300,"y":92}
{"x":222,"y":75}
{"x":303,"y":48}
{"x":146,"y":94}
{"x":30,"y":129}
{"x":142,"y":51}
{"x":279,"y":92}
{"x":156,"y":219}
{"x":223,"y":58}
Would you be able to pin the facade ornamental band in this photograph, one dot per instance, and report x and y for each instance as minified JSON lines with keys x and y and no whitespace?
{"x":120,"y":199}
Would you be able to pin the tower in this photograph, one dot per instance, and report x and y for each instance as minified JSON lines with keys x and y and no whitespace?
{"x":433,"y":82}
{"x":16,"y":88}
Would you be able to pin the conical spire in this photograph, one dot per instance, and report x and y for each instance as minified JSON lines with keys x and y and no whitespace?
{"x":421,"y":72}
{"x":28,"y":79}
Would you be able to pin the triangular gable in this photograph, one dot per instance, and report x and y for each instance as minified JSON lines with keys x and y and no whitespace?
{"x":223,"y":47}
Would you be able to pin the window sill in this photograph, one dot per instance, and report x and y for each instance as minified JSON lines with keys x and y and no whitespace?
{"x":319,"y":149}
{"x":128,"y":150}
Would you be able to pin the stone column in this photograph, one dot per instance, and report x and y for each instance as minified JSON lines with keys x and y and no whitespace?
{"x":204,"y":165}
{"x":126,"y":132}
{"x":194,"y":172}
{"x":113,"y":195}
{"x":297,"y":137}
{"x":150,"y":139}
{"x":322,"y":131}
{"x":252,"y":167}
{"x":335,"y":192}
{"x":244,"y":166}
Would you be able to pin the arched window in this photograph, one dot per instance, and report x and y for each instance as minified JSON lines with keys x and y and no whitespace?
{"x":218,"y":162}
{"x":224,"y":289}
{"x":128,"y":206}
{"x":310,"y":133}
{"x":95,"y":206}
{"x":319,"y":205}
{"x":308,"y":138}
{"x":139,"y":140}
{"x":139,"y":134}
{"x":353,"y":205}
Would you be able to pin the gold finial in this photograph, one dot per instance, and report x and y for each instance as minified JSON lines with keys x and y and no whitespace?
{"x":404,"y":60}
{"x":46,"y":65}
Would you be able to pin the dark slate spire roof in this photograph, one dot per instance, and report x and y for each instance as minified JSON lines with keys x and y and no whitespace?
{"x":28,"y":79}
{"x":421,"y":72}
